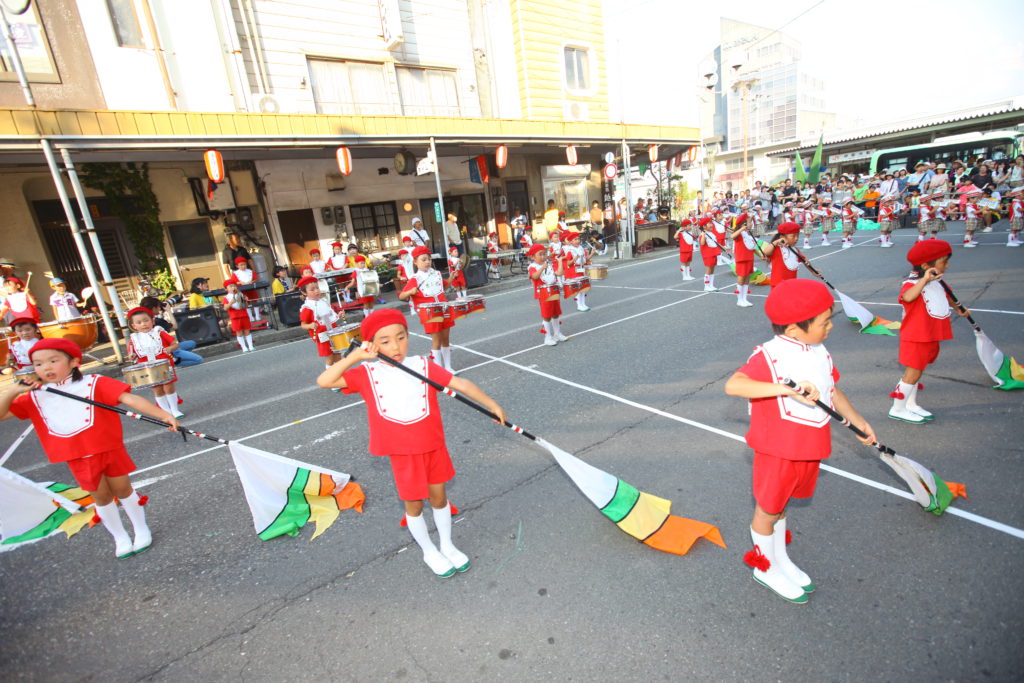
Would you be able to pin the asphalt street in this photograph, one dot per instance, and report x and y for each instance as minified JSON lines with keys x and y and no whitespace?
{"x":556,"y":591}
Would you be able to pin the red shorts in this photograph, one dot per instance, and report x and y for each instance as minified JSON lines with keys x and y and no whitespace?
{"x":776,"y":480}
{"x":685,"y":256}
{"x":414,"y":473}
{"x":550,"y":309}
{"x":240,"y":323}
{"x":89,"y":470}
{"x":744,"y":268}
{"x":458,"y":281}
{"x":710,"y":260}
{"x":918,"y":355}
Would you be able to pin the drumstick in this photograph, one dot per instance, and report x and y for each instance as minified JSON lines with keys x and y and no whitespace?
{"x":28,"y":280}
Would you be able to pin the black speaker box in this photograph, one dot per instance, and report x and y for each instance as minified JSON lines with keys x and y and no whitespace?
{"x":476,"y":274}
{"x":200,"y":325}
{"x":288,"y":306}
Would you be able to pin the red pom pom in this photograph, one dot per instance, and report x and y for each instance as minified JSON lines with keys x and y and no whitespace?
{"x":145,"y":499}
{"x":455,"y":511}
{"x":756,"y":559}
{"x":95,"y":519}
{"x":543,"y":331}
{"x":789,"y":536}
{"x":920,"y":386}
{"x":896,"y":394}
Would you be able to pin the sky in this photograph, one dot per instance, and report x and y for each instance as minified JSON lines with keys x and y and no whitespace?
{"x":883,"y":61}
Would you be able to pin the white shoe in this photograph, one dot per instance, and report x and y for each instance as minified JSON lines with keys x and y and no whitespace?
{"x":549,"y":340}
{"x":743,"y":303}
{"x":902,"y":413}
{"x":970,"y":245}
{"x":914,"y":408}
{"x":178,"y":414}
{"x":689,"y":277}
{"x":826,"y":243}
{"x":143,"y":539}
{"x":584,"y":309}
{"x":458,"y":558}
{"x":782,"y":561}
{"x":438,"y":563}
{"x":709,"y":287}
{"x":988,"y":229}
{"x":767,"y":573}
{"x":123,"y":547}
{"x":846,"y":245}
{"x":559,"y":336}
{"x":1013,"y":244}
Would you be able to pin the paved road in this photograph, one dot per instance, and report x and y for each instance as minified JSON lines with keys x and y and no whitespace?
{"x":556,"y":591}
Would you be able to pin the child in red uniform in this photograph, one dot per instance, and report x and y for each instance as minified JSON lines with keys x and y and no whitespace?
{"x":789,"y":434}
{"x":925,"y":323}
{"x":686,"y":241}
{"x":316,"y":263}
{"x":456,"y":276}
{"x":710,"y":249}
{"x":404,"y":270}
{"x":18,"y":303}
{"x":149,"y":343}
{"x":743,"y":247}
{"x":95,"y":454}
{"x":574,"y":260}
{"x":246,"y":276}
{"x":493,"y":269}
{"x":27,"y":334}
{"x":427,"y":286}
{"x":542,"y":272}
{"x":405,"y":425}
{"x":361,"y":264}
{"x":235,"y":304}
{"x":318,"y":318}
{"x":781,"y":252}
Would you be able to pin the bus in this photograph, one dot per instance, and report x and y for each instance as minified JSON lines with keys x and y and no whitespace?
{"x":997,"y":144}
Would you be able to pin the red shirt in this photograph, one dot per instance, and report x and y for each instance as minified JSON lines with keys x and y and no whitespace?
{"x":769,"y":433}
{"x":69,"y":429}
{"x":685,"y":247}
{"x":402,"y":411}
{"x":547,"y":277}
{"x":780,"y":269}
{"x":740,"y":249}
{"x":923,"y":319}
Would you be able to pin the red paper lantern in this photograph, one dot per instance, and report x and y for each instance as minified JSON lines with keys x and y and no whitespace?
{"x":214,"y":165}
{"x":570,"y":155}
{"x":344,"y":160}
{"x":652,"y":153}
{"x":692,"y":154}
{"x":501,"y":156}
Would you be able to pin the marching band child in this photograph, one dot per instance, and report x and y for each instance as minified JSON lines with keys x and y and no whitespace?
{"x":247,"y":276}
{"x":711,"y":247}
{"x":788,"y":213}
{"x":18,"y":303}
{"x":456,"y":276}
{"x":427,"y":286}
{"x":851,"y":214}
{"x":575,"y":264}
{"x":235,"y":304}
{"x":26,"y":334}
{"x":404,"y":270}
{"x":1016,"y":216}
{"x":149,"y":343}
{"x":805,"y":219}
{"x":972,"y":217}
{"x":95,"y":454}
{"x":359,"y":264}
{"x":828,"y":215}
{"x":340,"y":261}
{"x":545,"y":272}
{"x":743,"y":247}
{"x":493,"y":247}
{"x":405,"y":425}
{"x":63,"y":302}
{"x":555,"y":246}
{"x":925,"y":324}
{"x":526,"y":239}
{"x":316,"y":263}
{"x":686,"y":241}
{"x":318,"y":317}
{"x":927,"y":217}
{"x":887,"y":217}
{"x":782,"y":254}
{"x":790,"y":435}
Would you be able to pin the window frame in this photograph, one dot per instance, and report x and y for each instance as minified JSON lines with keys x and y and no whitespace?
{"x":7,"y":73}
{"x":114,"y":26}
{"x":591,"y":74}
{"x":387,"y":75}
{"x":434,"y":108}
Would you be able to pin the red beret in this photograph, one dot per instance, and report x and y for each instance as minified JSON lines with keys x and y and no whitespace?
{"x":740,"y":219}
{"x":336,"y":244}
{"x":314,"y":251}
{"x":301,"y":284}
{"x":555,"y":233}
{"x":407,"y":239}
{"x":230,"y":281}
{"x":685,"y":222}
{"x":138,"y":309}
{"x":794,"y":301}
{"x":927,"y":251}
{"x":22,"y":321}
{"x":420,"y":251}
{"x":15,"y":281}
{"x":382,"y":317}
{"x":241,"y":259}
{"x":789,"y":228}
{"x":57,"y":344}
{"x":535,"y":248}
{"x":569,"y":235}
{"x":703,"y":221}
{"x":403,"y":251}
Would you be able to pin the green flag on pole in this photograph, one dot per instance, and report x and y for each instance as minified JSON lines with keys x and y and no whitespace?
{"x":812,"y":176}
{"x":799,"y":168}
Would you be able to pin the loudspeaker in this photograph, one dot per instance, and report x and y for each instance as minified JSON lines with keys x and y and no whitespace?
{"x":288,"y":306}
{"x":200,"y":325}
{"x":476,"y":274}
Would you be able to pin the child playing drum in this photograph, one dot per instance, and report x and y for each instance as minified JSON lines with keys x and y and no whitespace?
{"x":235,"y":304}
{"x":318,"y":318}
{"x":361,"y":264}
{"x":426,"y":286}
{"x":149,"y":343}
{"x":456,"y":277}
{"x":545,"y":287}
{"x":18,"y":303}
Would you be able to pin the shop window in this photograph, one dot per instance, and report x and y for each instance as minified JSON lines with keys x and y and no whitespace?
{"x":33,"y":48}
{"x":375,"y":226}
{"x":428,"y":92}
{"x":349,"y":88}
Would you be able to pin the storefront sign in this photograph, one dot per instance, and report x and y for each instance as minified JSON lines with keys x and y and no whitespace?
{"x":851,"y":156}
{"x":437,"y":211}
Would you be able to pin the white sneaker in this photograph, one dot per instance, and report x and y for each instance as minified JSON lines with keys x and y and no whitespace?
{"x":178,"y":414}
{"x":709,"y":287}
{"x":458,"y":558}
{"x":439,"y":564}
{"x":826,"y":243}
{"x":143,"y":539}
{"x":743,"y":303}
{"x":688,"y":277}
{"x":123,"y":547}
{"x":988,"y":229}
{"x":970,"y":245}
{"x":549,"y":340}
{"x":767,"y":573}
{"x":846,"y":245}
{"x":1013,"y":244}
{"x":902,"y":413}
{"x":584,"y":309}
{"x":559,"y":336}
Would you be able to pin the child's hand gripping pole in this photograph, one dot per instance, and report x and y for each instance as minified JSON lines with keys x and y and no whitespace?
{"x":128,"y":413}
{"x":912,"y":473}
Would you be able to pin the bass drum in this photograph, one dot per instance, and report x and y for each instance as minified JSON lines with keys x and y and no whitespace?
{"x":82,"y":331}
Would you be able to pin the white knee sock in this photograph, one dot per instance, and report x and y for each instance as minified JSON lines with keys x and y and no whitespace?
{"x":446,"y":357}
{"x":111,"y":520}
{"x":443,"y":522}
{"x":248,"y":340}
{"x":549,"y":325}
{"x":171,"y":400}
{"x":241,"y":341}
{"x":162,"y":402}
{"x":133,"y":508}
{"x":711,"y":279}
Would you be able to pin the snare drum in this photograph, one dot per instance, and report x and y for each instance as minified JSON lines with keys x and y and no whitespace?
{"x":433,"y":312}
{"x":460,"y":308}
{"x":584,"y":284}
{"x":476,"y":303}
{"x":342,"y":337}
{"x":149,"y":374}
{"x":367,"y":283}
{"x":26,"y":374}
{"x":550,"y":292}
{"x":597,"y":272}
{"x":570,"y":288}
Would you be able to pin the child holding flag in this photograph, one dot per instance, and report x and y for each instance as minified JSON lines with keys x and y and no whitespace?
{"x":405,"y":425}
{"x":95,"y":454}
{"x":686,"y":241}
{"x":743,"y":247}
{"x":789,"y":434}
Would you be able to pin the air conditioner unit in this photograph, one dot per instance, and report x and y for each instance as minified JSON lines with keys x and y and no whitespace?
{"x":264,"y":103}
{"x":576,"y":111}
